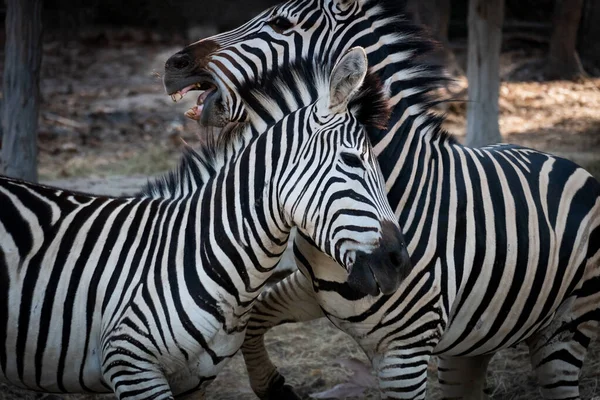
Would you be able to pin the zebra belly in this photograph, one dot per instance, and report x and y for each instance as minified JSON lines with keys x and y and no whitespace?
{"x":202,"y":368}
{"x":478,"y":341}
{"x":71,"y":369}
{"x":472,"y":334}
{"x":49,"y":346}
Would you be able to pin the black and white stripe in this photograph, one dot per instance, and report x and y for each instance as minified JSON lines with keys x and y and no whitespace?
{"x":149,"y":296}
{"x":505,"y":240}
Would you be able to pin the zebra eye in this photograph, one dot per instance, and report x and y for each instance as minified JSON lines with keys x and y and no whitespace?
{"x":352,"y":160}
{"x":280,"y":24}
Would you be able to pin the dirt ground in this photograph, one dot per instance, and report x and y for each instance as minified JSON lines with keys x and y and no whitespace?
{"x":106,"y":125}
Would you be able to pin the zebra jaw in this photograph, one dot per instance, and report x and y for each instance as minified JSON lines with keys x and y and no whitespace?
{"x":195,"y":112}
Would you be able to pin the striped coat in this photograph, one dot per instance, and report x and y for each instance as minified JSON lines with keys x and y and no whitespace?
{"x":149,"y":296}
{"x":505,"y":240}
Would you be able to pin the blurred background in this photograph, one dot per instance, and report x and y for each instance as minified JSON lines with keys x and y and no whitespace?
{"x":105,"y":124}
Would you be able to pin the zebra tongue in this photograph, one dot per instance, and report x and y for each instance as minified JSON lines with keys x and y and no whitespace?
{"x":196,"y":112}
{"x":204,"y":95}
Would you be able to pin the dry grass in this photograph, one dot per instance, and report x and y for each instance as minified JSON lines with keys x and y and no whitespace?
{"x":146,"y":160}
{"x":558,"y":117}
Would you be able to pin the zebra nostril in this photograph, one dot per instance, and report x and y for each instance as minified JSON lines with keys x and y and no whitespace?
{"x":178,"y":61}
{"x":395,"y":258}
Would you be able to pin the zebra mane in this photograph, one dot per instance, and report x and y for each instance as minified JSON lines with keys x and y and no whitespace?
{"x":280,"y":91}
{"x":423,"y":79}
{"x":411,"y":36}
{"x":199,"y":165}
{"x":288,"y":90}
{"x":194,"y":169}
{"x":299,"y":85}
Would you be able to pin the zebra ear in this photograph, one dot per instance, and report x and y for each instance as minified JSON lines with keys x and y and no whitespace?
{"x":346,"y":78}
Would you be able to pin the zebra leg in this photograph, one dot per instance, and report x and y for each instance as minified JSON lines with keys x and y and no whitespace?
{"x":402,"y":373}
{"x":128,"y":374}
{"x":557,"y":353}
{"x":291,"y":300}
{"x":135,"y":381}
{"x":463,"y":377}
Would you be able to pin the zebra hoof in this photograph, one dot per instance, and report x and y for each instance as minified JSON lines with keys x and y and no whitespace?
{"x":279,"y":390}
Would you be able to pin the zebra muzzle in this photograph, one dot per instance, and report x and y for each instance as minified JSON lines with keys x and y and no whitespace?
{"x":383,"y":269}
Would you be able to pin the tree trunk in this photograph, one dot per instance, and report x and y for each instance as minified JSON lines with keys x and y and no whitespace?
{"x":483,"y":71}
{"x":589,"y":45}
{"x":23,"y":56}
{"x":563,"y":60}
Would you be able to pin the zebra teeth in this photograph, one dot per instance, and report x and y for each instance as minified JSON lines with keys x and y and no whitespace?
{"x":191,"y":113}
{"x":176,"y":97}
{"x":194,"y":113}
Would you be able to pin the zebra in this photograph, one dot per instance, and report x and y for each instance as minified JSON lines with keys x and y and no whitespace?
{"x":148,"y":296}
{"x":504,"y":240}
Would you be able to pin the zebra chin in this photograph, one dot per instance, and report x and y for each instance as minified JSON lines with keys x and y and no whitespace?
{"x":383,"y":269}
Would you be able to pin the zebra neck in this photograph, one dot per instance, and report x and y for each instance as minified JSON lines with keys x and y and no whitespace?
{"x":240,"y":242}
{"x":428,"y":188}
{"x":393,"y":44}
{"x":411,"y":136}
{"x":414,"y":156}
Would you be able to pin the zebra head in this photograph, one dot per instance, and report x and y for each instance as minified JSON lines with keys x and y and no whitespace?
{"x":334,"y":191}
{"x":297,"y":29}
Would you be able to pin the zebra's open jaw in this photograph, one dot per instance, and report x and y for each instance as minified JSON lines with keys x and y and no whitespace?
{"x":195,"y":112}
{"x":209,"y":109}
{"x":206,"y":89}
